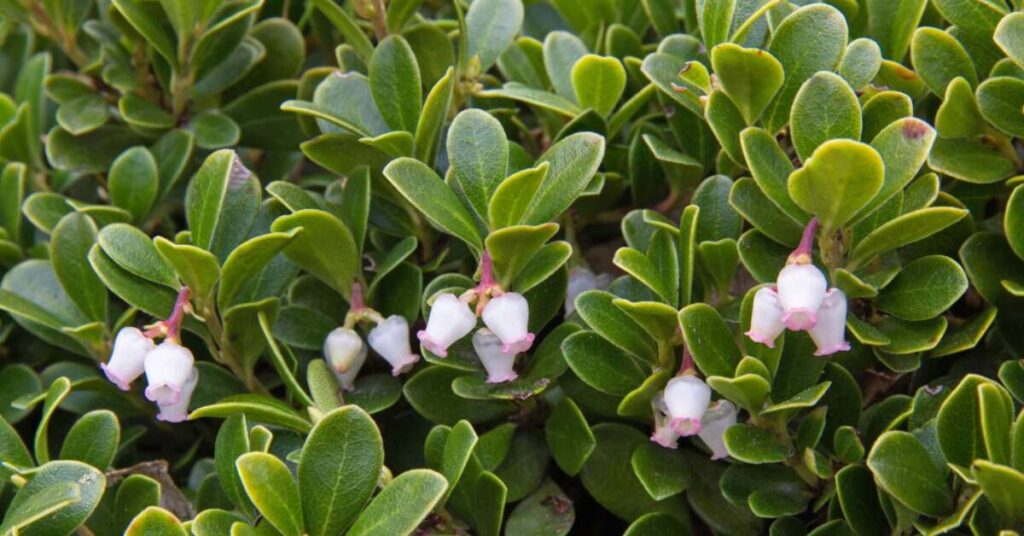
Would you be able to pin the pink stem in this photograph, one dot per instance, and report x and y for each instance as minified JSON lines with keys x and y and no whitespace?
{"x":178,"y":314}
{"x":486,"y":272}
{"x":357,"y":297}
{"x":803,"y":251}
{"x":687,"y":361}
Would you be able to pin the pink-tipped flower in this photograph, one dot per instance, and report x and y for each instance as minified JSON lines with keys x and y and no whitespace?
{"x":390,"y":339}
{"x":663,"y":433}
{"x":766,"y":318}
{"x":450,"y":320}
{"x":168,"y":368}
{"x":830,"y":333}
{"x":581,"y":279}
{"x":178,"y":411}
{"x":345,"y":353}
{"x":717,"y":419}
{"x":128,"y":358}
{"x":801,"y":290}
{"x":508,"y":316}
{"x":500,"y":365}
{"x":687,"y":398}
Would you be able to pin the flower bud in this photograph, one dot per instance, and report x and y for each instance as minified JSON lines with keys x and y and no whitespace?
{"x":128,"y":358}
{"x":687,"y":398}
{"x":178,"y":411}
{"x":766,"y":317}
{"x":801,"y":288}
{"x":719,"y":417}
{"x":498,"y":363}
{"x":830,"y":333}
{"x":508,"y":316}
{"x":390,"y":339}
{"x":450,"y":320}
{"x":663,"y":433}
{"x":345,"y":353}
{"x":168,"y":368}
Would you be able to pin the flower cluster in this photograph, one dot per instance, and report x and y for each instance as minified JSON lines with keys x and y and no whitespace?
{"x":685,"y":409}
{"x":506,"y":315}
{"x":801,"y":301}
{"x":171,"y":374}
{"x":344,"y":349}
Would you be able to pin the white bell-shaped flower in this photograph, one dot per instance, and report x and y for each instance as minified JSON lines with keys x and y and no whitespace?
{"x":830,"y":332}
{"x":508,"y":316}
{"x":128,"y":358}
{"x":663,"y":433}
{"x":581,"y":279}
{"x":687,"y":398}
{"x":450,"y":320}
{"x":766,"y":318}
{"x":178,"y":411}
{"x":345,"y":353}
{"x":168,"y":368}
{"x":498,"y":363}
{"x":801,"y":289}
{"x":719,"y":417}
{"x":390,"y":339}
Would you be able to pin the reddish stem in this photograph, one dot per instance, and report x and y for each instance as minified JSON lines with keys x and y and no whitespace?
{"x":178,"y":314}
{"x":802,"y":253}
{"x":486,"y":272}
{"x":687,"y":362}
{"x":357,"y":297}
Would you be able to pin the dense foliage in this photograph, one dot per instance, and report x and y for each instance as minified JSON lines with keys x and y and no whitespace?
{"x":523,"y":267}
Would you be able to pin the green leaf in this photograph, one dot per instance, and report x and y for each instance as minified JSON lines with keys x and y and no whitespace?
{"x":458,"y":448}
{"x":858,"y":498}
{"x":247,"y":262}
{"x":663,"y":70}
{"x":512,"y":249}
{"x":903,"y":230}
{"x":959,"y":116}
{"x":347,"y":26}
{"x":69,"y":245}
{"x":1013,"y":221}
{"x":146,"y":17}
{"x":134,"y":494}
{"x":214,"y":130}
{"x":602,"y":365}
{"x":838,"y":180}
{"x":709,"y":339}
{"x":221,"y":204}
{"x":401,"y":505}
{"x":959,"y":423}
{"x":598,"y":311}
{"x":1000,"y":102}
{"x":923,"y":289}
{"x":336,"y":265}
{"x":133,"y":182}
{"x":338,"y":471}
{"x":535,"y":97}
{"x":573,"y":161}
{"x":726,"y":122}
{"x":156,"y":522}
{"x":491,"y":26}
{"x":84,"y":114}
{"x":47,"y":506}
{"x":861,"y":62}
{"x":970,"y":161}
{"x":716,"y":20}
{"x":478,"y":153}
{"x":903,"y":468}
{"x":1008,"y":35}
{"x":751,"y":444}
{"x":973,"y":16}
{"x":598,"y":83}
{"x":811,"y":39}
{"x":749,"y":391}
{"x":662,"y":472}
{"x":771,"y":168}
{"x":546,"y":512}
{"x":1002,"y":487}
{"x":395,"y":82}
{"x":256,"y":407}
{"x":825,"y":108}
{"x":750,"y":77}
{"x":512,"y":198}
{"x":93,"y":439}
{"x":232,"y":441}
{"x":891,"y":24}
{"x":433,"y":117}
{"x":197,"y":268}
{"x":424,"y":189}
{"x":270,"y":486}
{"x":569,"y":437}
{"x":132,"y":250}
{"x":938,"y":58}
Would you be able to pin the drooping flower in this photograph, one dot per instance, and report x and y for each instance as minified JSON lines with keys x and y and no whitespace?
{"x":128,"y":358}
{"x":345,"y":353}
{"x":390,"y":339}
{"x":582,"y":279}
{"x":498,"y":363}
{"x":663,"y":433}
{"x":508,"y":316}
{"x":178,"y":411}
{"x":719,"y":417}
{"x":168,"y":367}
{"x":450,"y":320}
{"x":687,"y":398}
{"x":802,"y":288}
{"x":829,"y":334}
{"x":766,"y":317}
